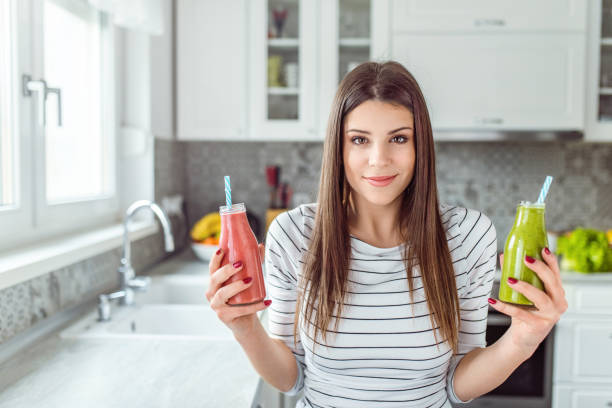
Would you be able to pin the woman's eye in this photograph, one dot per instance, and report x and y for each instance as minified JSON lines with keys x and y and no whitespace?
{"x":404,"y":138}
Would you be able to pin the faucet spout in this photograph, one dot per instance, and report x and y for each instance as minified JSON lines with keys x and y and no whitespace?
{"x":163,"y":219}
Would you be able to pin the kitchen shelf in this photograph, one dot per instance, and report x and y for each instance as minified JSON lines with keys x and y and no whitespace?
{"x":605,"y":91}
{"x":283,"y":91}
{"x":354,"y":42}
{"x":606,"y":41}
{"x":283,"y":42}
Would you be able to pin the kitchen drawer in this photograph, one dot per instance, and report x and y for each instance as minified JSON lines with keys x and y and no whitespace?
{"x":582,"y":397}
{"x":591,"y":299}
{"x":582,"y":351}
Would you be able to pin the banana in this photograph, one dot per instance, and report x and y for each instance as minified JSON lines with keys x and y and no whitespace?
{"x":207,"y":226}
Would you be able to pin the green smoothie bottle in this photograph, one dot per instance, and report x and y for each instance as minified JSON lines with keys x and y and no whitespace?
{"x":527,"y":237}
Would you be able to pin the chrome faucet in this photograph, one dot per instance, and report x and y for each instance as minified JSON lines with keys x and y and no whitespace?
{"x":129,"y":281}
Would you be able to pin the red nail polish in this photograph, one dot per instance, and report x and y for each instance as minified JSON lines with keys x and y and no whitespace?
{"x":529,"y":259}
{"x":547,"y":251}
{"x":492,"y":301}
{"x":237,"y":264}
{"x":267,"y":302}
{"x":512,"y":280}
{"x":247,"y":280}
{"x":218,"y":251}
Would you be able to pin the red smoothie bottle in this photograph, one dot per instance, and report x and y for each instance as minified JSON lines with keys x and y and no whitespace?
{"x":240,"y":244}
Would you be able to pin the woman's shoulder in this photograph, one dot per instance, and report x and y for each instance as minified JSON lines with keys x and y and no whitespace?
{"x":296,"y":223}
{"x":463,"y":221}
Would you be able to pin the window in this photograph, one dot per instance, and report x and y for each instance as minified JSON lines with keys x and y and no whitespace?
{"x":57,"y":127}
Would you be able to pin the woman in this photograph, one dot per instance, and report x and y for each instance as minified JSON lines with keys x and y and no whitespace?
{"x":379,"y":293}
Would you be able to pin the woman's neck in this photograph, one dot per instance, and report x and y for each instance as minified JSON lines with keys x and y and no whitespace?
{"x":375,"y":224}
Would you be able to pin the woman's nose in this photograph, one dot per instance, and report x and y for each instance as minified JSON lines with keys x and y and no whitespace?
{"x":379,"y":156}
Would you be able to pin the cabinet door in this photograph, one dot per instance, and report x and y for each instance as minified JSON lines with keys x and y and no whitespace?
{"x":211,"y":69}
{"x":283,"y":69}
{"x":500,"y":82}
{"x":582,"y":351}
{"x":580,"y":396}
{"x":345,"y":42}
{"x":487,"y":15}
{"x":598,"y":122}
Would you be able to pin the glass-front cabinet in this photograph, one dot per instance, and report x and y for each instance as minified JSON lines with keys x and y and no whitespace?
{"x":299,"y":52}
{"x":282,"y":69}
{"x":599,"y":64}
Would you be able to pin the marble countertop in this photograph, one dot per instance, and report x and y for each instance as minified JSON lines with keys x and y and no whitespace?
{"x":60,"y":372}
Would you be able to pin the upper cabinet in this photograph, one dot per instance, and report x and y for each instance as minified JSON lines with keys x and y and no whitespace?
{"x":282,"y":70}
{"x":598,"y":127}
{"x":211,"y":74}
{"x":483,"y":15}
{"x":510,"y":82}
{"x":503,"y":65}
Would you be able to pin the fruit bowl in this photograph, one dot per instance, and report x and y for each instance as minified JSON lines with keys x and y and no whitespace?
{"x":204,"y":251}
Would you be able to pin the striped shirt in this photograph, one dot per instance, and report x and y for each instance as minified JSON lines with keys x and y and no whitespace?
{"x":384,"y":352}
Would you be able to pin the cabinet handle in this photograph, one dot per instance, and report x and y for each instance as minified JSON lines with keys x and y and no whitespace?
{"x":489,"y":121}
{"x":495,"y":22}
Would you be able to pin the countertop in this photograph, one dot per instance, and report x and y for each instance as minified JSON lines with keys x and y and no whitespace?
{"x":60,"y":372}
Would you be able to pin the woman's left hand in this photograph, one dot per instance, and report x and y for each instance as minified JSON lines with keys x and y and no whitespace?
{"x":530,"y":327}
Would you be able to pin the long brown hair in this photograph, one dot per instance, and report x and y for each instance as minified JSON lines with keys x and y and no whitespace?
{"x":326,"y":266}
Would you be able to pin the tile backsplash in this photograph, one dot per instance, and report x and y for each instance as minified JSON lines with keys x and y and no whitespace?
{"x":491,"y":177}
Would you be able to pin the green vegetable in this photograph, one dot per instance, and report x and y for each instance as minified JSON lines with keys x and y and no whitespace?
{"x":585,"y":250}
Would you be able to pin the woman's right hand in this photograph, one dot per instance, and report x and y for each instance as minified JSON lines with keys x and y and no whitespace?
{"x":240,"y":319}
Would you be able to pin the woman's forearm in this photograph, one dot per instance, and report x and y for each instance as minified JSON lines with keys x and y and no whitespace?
{"x":484,"y":369}
{"x":271,"y":358}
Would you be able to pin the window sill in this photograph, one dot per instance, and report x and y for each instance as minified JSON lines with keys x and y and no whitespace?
{"x":27,"y":263}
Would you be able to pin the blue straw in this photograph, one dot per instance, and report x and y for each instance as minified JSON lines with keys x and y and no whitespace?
{"x":544,"y":190}
{"x":228,"y":192}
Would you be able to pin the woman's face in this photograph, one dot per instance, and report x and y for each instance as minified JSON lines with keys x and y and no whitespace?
{"x":378,"y":142}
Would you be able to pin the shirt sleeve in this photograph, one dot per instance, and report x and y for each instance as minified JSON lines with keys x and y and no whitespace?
{"x":480,"y":252}
{"x":282,"y":254}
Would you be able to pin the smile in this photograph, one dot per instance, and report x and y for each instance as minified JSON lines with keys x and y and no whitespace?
{"x":380,"y":181}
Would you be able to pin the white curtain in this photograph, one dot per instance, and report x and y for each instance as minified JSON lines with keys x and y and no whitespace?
{"x":138,"y":15}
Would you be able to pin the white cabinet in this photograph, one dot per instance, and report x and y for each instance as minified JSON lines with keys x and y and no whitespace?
{"x":349,"y":36}
{"x":283,"y":83}
{"x":212,"y":69}
{"x":510,"y":81}
{"x":598,"y":122}
{"x":582,"y":368}
{"x":487,"y":15}
{"x":521,"y":68}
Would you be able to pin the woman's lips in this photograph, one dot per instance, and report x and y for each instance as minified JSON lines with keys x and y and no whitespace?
{"x":380,"y":181}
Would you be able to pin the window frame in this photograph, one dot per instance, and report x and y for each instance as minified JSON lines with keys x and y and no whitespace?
{"x":33,"y":220}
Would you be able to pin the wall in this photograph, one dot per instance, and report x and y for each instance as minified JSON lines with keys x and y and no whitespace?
{"x":492,"y":177}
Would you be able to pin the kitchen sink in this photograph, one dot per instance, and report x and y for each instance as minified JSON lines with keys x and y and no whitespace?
{"x":173,"y":320}
{"x":185,"y":322}
{"x":173,"y":307}
{"x":175,"y":289}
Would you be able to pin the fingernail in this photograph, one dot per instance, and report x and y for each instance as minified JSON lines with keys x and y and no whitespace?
{"x":218,"y":251}
{"x":247,"y":280}
{"x":237,"y":264}
{"x":512,"y":280}
{"x":547,"y":251}
{"x":267,"y":302}
{"x":492,"y":301}
{"x":529,"y":259}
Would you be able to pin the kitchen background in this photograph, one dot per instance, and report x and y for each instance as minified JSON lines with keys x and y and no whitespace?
{"x":203,"y":128}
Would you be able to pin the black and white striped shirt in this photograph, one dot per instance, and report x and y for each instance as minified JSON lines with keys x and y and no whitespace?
{"x":383,"y":353}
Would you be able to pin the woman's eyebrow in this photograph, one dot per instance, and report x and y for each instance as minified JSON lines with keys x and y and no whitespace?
{"x":367,"y":133}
